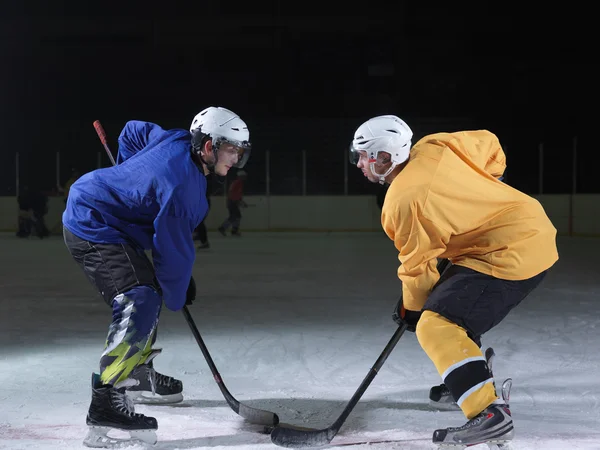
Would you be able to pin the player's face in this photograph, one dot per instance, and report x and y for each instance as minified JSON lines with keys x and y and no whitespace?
{"x":229,"y":155}
{"x":381,"y":165}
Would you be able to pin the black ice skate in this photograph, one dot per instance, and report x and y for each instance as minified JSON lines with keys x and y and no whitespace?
{"x":440,"y":396}
{"x":110,"y":410}
{"x":153,"y":387}
{"x":493,"y":426}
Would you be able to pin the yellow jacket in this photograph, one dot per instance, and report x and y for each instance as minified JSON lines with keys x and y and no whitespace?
{"x":448,"y":203}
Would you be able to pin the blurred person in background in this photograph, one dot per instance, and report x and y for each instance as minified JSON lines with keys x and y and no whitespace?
{"x":64,"y":190}
{"x":33,"y":207}
{"x":235,"y":201}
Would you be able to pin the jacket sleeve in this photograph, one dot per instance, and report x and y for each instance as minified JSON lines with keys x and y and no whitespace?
{"x":173,"y":255}
{"x":419,"y":242}
{"x":134,"y":137}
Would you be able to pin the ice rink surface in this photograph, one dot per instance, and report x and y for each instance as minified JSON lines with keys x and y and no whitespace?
{"x":293,"y":322}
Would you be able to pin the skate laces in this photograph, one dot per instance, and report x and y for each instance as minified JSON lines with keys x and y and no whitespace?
{"x":158,"y":379}
{"x":123,"y":403}
{"x":471,"y":423}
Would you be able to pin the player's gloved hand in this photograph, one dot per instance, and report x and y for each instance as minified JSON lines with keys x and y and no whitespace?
{"x":404,"y":316}
{"x":190,"y":295}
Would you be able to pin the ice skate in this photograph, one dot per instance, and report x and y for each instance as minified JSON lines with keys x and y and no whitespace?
{"x":493,"y":426}
{"x":440,"y":396}
{"x":111,"y":411}
{"x":153,"y":387}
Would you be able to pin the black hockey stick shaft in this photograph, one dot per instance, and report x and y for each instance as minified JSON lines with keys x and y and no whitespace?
{"x":253,"y":415}
{"x":288,"y":436}
{"x":369,"y":378}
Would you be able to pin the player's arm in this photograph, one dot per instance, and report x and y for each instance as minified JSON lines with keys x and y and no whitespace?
{"x":173,"y":254}
{"x":134,"y":137}
{"x":419,"y":242}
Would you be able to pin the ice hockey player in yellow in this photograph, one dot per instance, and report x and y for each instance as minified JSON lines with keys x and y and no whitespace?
{"x":446,"y":200}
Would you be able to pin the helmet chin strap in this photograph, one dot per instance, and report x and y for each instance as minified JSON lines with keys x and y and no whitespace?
{"x":382,"y":176}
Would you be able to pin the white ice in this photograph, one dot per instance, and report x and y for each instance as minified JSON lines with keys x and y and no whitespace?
{"x":294,"y":322}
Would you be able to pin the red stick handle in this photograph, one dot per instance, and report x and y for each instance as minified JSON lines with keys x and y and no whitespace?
{"x":102,"y":135}
{"x":100,"y":130}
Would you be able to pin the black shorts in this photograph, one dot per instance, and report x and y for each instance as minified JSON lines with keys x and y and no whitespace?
{"x":112,"y":268}
{"x":475,"y":301}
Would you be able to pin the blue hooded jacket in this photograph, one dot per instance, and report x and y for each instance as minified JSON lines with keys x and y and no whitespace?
{"x":153,"y":198}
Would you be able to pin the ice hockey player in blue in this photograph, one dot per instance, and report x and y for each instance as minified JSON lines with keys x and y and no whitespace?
{"x":152,"y":199}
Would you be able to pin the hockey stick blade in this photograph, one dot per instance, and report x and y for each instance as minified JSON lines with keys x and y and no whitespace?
{"x":294,"y":437}
{"x":257,"y":416}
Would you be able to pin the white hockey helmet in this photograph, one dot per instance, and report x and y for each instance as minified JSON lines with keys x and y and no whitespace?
{"x":221,"y":125}
{"x":388,"y":134}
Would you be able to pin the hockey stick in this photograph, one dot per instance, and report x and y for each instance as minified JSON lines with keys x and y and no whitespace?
{"x":102,"y":135}
{"x":288,"y":436}
{"x":253,"y":415}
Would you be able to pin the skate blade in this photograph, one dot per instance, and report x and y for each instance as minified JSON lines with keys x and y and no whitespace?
{"x":97,"y":437}
{"x":492,"y":445}
{"x":506,"y":387}
{"x":148,"y":398}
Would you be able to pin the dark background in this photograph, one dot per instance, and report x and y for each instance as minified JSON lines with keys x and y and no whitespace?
{"x":303,"y":76}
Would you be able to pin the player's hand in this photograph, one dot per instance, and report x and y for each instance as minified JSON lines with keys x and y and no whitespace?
{"x":190,"y":295}
{"x":404,"y":316}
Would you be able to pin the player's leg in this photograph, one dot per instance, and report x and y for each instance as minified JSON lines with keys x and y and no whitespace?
{"x":129,"y":354}
{"x":202,"y":235}
{"x":459,"y":310}
{"x":110,"y":407}
{"x":227,"y":222}
{"x":440,"y":396}
{"x":126,"y":278}
{"x":235,"y":218}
